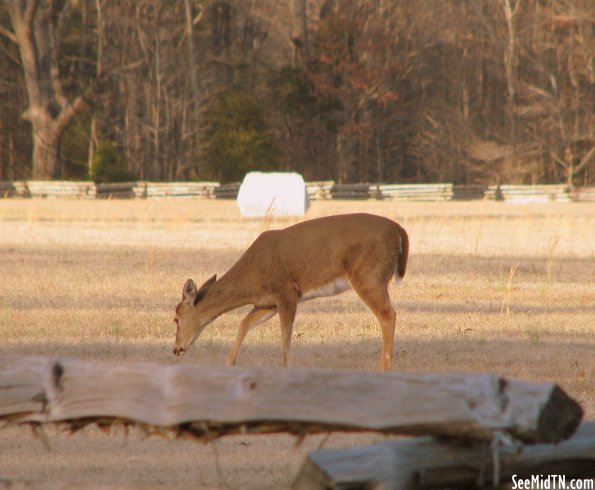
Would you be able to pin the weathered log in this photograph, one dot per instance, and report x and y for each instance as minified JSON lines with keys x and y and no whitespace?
{"x":57,"y":485}
{"x":212,"y":401}
{"x":424,"y":462}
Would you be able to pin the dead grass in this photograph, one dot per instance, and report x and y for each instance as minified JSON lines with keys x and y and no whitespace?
{"x":491,"y":287}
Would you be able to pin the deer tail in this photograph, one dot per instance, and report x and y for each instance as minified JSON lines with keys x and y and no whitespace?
{"x":403,"y":256}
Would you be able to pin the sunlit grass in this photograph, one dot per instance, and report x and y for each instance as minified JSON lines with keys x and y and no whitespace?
{"x":491,"y":287}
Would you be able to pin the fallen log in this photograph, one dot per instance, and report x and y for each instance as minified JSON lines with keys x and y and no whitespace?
{"x":424,"y":462}
{"x":208,"y":402}
{"x":58,"y":485}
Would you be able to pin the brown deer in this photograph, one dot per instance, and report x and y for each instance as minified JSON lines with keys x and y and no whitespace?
{"x":282,"y":268}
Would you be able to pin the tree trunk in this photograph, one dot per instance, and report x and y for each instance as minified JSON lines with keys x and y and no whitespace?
{"x":46,"y":150}
{"x":49,"y":112}
{"x":299,"y":31}
{"x":511,"y":58}
{"x":347,"y":157}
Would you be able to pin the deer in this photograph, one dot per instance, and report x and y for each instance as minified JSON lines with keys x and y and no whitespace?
{"x":282,"y":268}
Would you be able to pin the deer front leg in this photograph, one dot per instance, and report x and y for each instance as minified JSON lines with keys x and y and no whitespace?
{"x":256,"y":316}
{"x":287,"y":305}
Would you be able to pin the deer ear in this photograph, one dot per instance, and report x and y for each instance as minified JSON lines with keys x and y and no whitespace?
{"x":204,"y":288}
{"x":208,"y":283}
{"x":189,"y":291}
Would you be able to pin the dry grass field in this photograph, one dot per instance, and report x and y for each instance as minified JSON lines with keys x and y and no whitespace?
{"x":491,"y":287}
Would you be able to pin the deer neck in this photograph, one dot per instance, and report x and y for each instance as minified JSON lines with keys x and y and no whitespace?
{"x":226,"y":294}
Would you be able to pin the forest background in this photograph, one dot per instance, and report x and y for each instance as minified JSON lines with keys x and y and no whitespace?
{"x":465,"y":91}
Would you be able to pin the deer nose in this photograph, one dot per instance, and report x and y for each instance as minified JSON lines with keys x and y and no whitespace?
{"x":178,"y":351}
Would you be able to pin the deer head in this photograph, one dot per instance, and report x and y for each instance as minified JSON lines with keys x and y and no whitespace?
{"x":191,"y":317}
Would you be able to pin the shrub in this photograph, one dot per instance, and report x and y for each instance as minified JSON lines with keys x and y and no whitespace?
{"x":238,"y":138}
{"x":109,"y":165}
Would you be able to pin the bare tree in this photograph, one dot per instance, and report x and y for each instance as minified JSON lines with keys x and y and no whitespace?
{"x":356,"y":90}
{"x":510,"y":9}
{"x":35,"y":30}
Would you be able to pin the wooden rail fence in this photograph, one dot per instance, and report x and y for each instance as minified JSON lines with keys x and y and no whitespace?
{"x":528,"y":193}
{"x":412,"y":192}
{"x":322,"y":190}
{"x":52,"y":189}
{"x":495,"y":426}
{"x":584,"y":194}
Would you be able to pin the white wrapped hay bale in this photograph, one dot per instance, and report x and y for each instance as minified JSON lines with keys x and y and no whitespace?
{"x":272,"y":194}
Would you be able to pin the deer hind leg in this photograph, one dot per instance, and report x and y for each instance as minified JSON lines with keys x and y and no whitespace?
{"x":256,"y":316}
{"x":375,"y":295}
{"x":287,"y":306}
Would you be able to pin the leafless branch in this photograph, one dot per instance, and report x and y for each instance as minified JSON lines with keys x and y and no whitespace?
{"x":8,"y":34}
{"x":585,"y":160}
{"x":30,"y":13}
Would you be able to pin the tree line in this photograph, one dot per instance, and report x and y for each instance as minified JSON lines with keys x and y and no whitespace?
{"x":465,"y":91}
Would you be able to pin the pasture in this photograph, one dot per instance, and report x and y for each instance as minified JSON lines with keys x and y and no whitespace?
{"x":490,"y":287}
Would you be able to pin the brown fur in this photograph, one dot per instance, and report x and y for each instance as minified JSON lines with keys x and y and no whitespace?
{"x":281,"y":266}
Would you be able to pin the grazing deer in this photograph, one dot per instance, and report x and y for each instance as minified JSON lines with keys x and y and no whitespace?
{"x":315,"y":258}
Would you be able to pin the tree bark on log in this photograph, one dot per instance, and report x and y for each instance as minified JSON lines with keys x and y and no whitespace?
{"x":208,"y":402}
